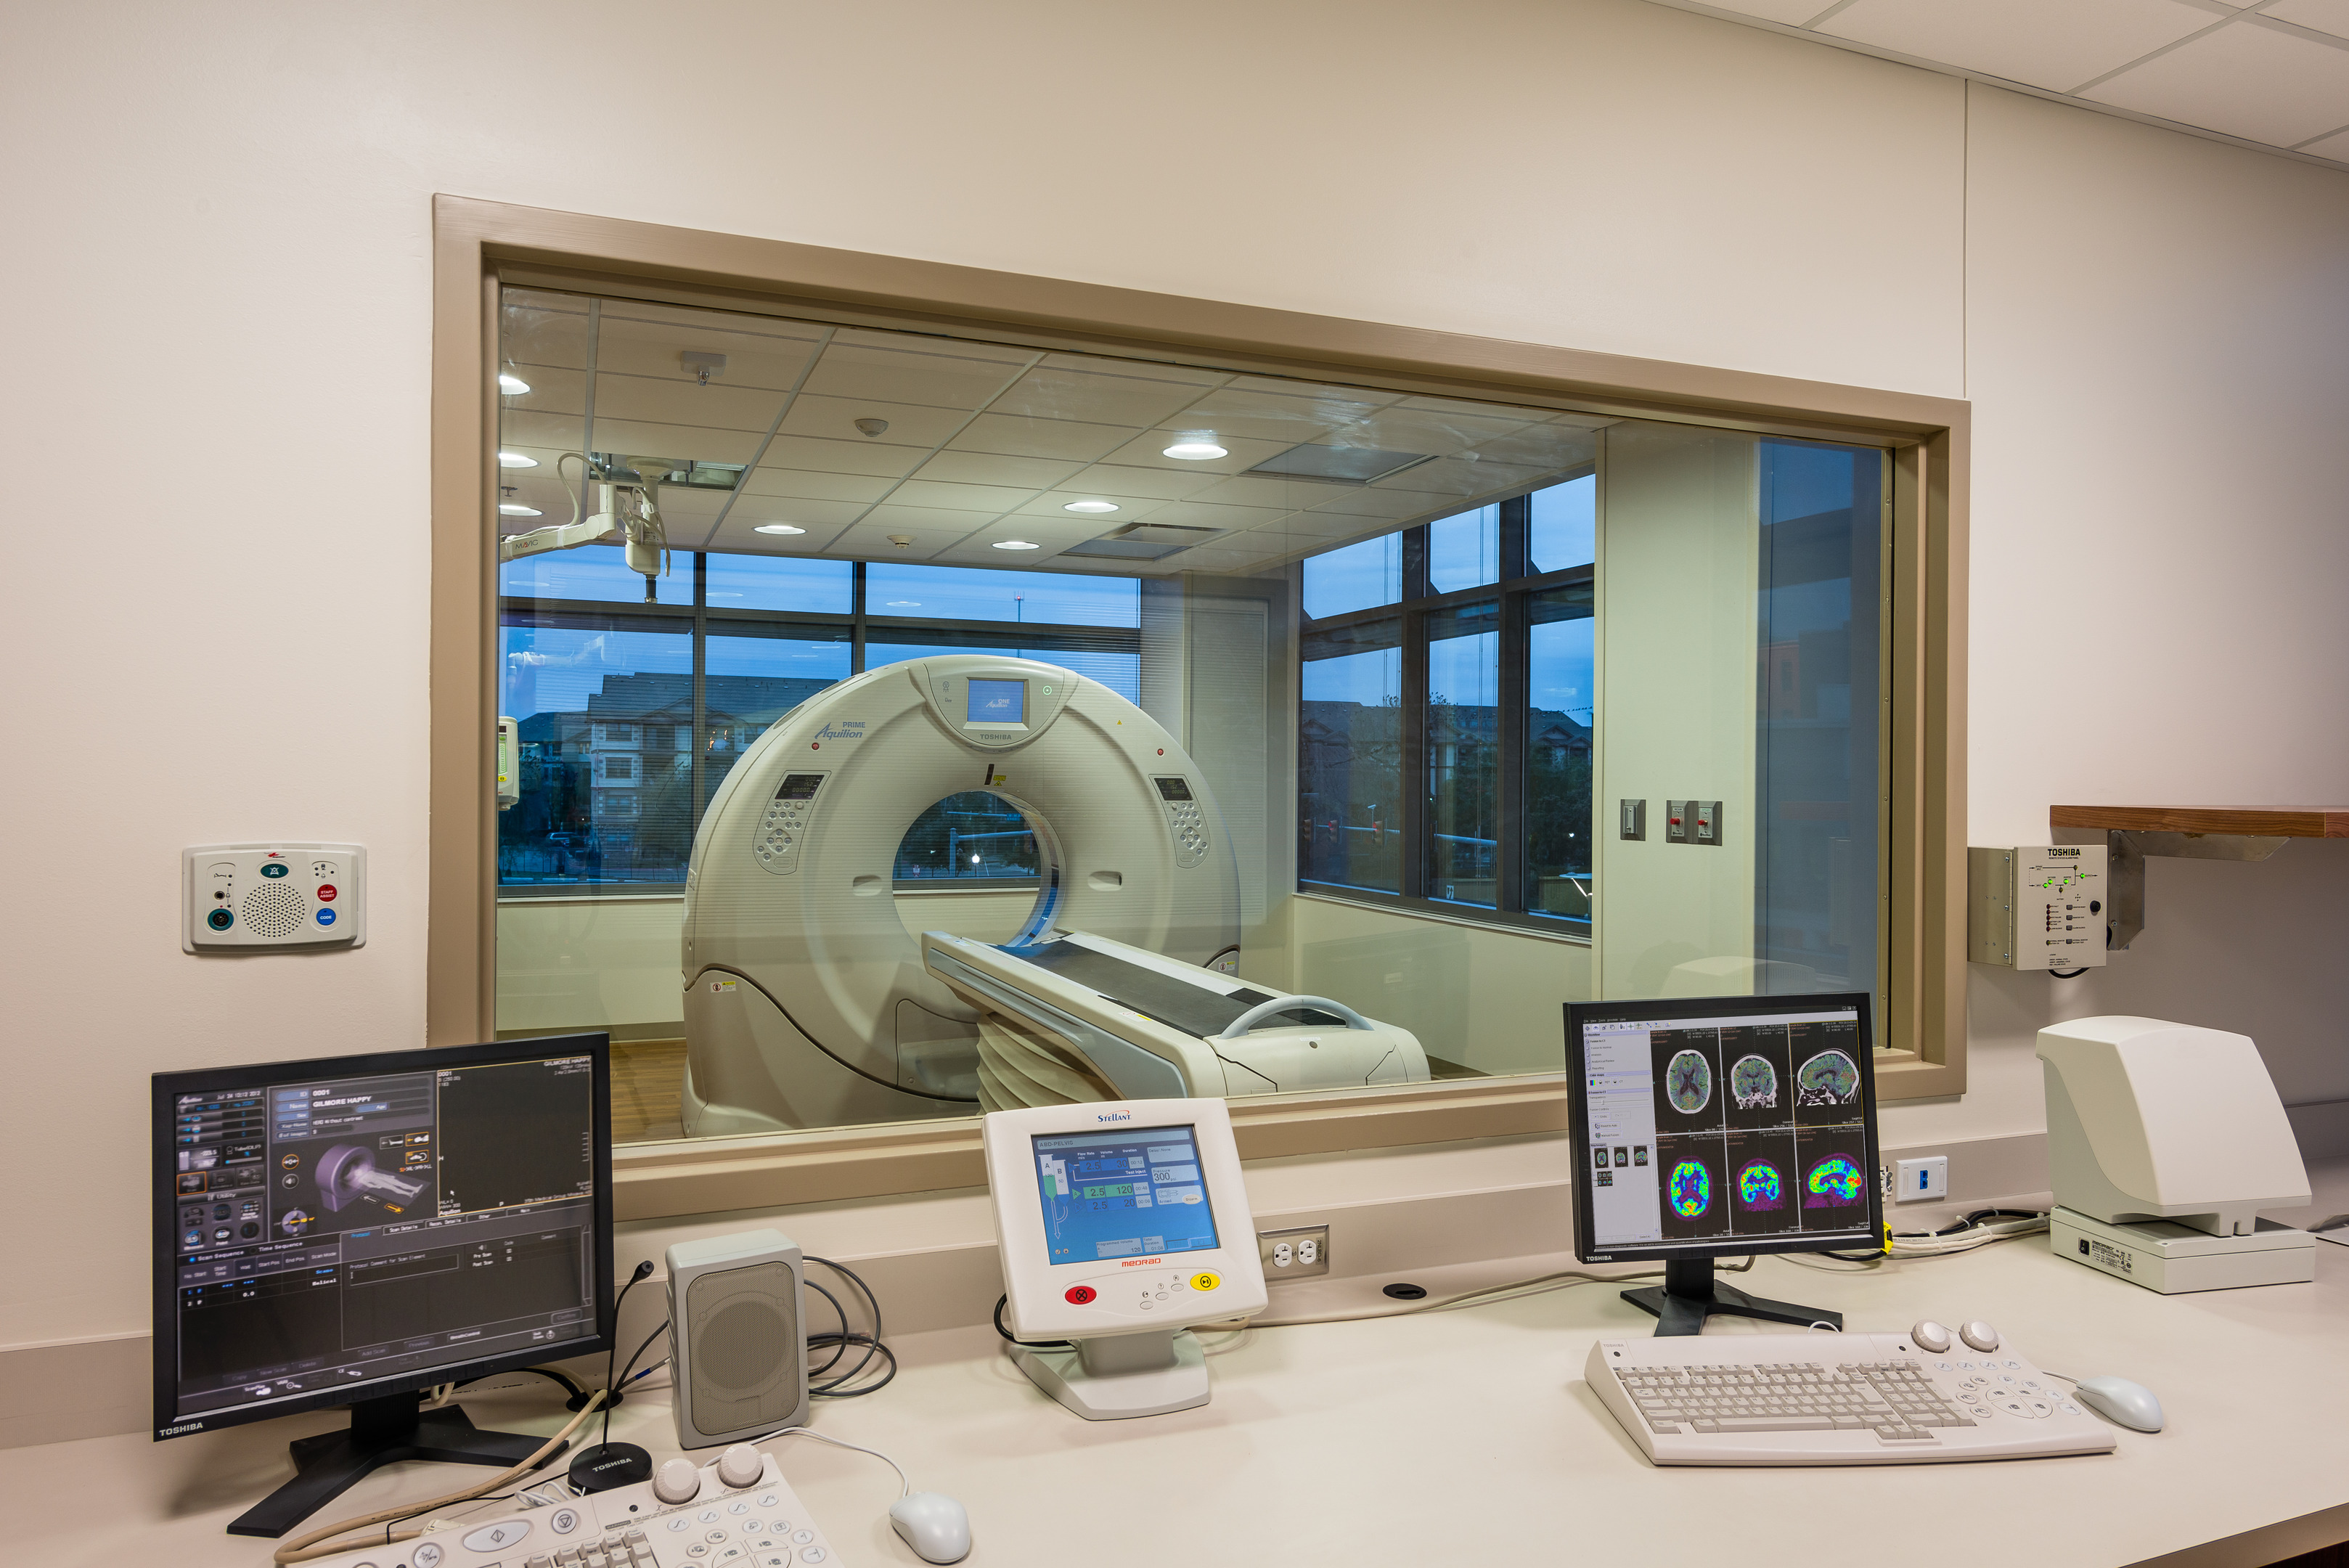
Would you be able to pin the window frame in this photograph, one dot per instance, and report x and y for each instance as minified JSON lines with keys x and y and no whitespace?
{"x":480,"y":246}
{"x":1514,"y":592}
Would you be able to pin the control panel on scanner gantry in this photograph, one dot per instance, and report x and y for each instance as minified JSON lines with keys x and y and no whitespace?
{"x":734,"y":1511}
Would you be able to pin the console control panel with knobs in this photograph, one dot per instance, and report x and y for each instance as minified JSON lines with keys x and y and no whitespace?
{"x":735,"y":1512}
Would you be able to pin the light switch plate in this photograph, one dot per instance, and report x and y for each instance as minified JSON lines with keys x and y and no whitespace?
{"x":1705,"y":824}
{"x":1632,"y":818}
{"x":256,"y":897}
{"x":1676,"y":821}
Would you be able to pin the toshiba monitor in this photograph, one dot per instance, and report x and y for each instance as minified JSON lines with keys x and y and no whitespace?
{"x":1719,"y":1128}
{"x":349,"y":1230}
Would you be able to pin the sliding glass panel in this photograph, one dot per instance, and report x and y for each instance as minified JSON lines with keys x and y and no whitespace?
{"x":1562,"y":524}
{"x":1359,"y":577}
{"x":1350,"y":757}
{"x":1816,"y":761}
{"x":1559,"y":713}
{"x":1464,"y":551}
{"x":1464,"y":754}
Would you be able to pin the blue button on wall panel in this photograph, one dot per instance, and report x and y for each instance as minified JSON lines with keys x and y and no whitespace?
{"x":326,"y":917}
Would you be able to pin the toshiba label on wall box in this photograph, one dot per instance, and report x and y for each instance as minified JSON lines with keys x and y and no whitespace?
{"x":2037,"y":906}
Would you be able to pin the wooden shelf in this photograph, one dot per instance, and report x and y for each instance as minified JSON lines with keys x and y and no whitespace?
{"x":2254,"y":821}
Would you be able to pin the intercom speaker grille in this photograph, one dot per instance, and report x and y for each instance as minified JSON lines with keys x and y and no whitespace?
{"x":742,"y":1342}
{"x":274,"y":910}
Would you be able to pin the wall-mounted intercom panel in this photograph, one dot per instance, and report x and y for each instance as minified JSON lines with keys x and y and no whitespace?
{"x":246,"y":897}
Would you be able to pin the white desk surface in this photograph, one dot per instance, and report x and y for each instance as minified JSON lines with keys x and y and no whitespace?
{"x":1462,"y":1437}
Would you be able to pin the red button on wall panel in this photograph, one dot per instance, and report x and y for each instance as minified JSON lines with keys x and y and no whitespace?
{"x":1078,"y":1295}
{"x":325,"y":892}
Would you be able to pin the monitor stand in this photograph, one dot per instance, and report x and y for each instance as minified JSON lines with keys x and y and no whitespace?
{"x":382,"y":1431}
{"x":1691,"y":1293}
{"x":1116,"y":1376}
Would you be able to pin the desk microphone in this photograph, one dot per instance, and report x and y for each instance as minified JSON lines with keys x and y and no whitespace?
{"x":608,"y":1464}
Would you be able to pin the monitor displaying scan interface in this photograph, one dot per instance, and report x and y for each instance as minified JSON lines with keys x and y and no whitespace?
{"x":371,"y":1222}
{"x":996,"y":703}
{"x":1725,"y":1126}
{"x":1131,"y":1192}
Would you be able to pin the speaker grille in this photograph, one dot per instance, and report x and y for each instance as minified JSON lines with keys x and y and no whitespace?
{"x":743,"y":1345}
{"x":275,"y":909}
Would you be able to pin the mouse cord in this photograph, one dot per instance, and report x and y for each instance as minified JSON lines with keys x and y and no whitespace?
{"x":905,"y":1488}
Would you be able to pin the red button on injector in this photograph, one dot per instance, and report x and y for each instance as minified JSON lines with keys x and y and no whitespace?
{"x":325,"y":892}
{"x":1080,"y":1295}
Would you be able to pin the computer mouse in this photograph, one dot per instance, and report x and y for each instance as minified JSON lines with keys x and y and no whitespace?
{"x":933,"y":1525}
{"x":2118,"y":1399}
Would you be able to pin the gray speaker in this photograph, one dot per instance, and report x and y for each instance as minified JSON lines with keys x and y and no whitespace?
{"x":737,"y":1344}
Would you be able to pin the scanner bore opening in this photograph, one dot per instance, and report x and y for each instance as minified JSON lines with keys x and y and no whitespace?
{"x":973,"y":841}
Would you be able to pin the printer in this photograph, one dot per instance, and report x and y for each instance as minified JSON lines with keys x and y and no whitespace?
{"x":2164,"y":1141}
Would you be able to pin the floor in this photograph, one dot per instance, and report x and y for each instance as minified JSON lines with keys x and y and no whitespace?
{"x":647,"y":1084}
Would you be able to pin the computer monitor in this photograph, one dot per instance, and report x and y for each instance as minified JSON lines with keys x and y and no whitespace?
{"x":1716,"y":1128}
{"x":347,"y":1231}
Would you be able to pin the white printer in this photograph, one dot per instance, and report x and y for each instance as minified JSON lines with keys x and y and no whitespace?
{"x":2164,"y":1141}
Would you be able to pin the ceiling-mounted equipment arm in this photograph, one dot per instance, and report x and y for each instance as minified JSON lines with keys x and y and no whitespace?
{"x":626,"y":513}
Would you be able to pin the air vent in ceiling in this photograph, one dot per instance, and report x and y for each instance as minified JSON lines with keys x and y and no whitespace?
{"x":1142,"y":542}
{"x":1339,"y":464}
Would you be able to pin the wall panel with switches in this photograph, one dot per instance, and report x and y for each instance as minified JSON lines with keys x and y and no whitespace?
{"x":248,"y":897}
{"x":2037,"y":906}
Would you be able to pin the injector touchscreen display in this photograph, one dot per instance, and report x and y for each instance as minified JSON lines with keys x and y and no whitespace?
{"x":1135,"y":1192}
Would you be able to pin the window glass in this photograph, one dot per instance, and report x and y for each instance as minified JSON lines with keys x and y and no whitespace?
{"x":752,"y":681}
{"x":1559,"y":713}
{"x":1120,"y":672}
{"x":1463,"y":749}
{"x":604,"y":754}
{"x":596,"y":573}
{"x":893,"y":589}
{"x":1464,"y":551}
{"x":1358,"y":577}
{"x":1562,"y":524}
{"x":780,"y":583}
{"x":975,"y":835}
{"x":1350,"y":757}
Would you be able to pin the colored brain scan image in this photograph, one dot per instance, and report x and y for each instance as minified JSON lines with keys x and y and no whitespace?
{"x":1834,"y":1183}
{"x":1688,"y":1079}
{"x":1829,"y":1078}
{"x":1691,"y":1189}
{"x":1758,"y":1186}
{"x":1753,"y":1083}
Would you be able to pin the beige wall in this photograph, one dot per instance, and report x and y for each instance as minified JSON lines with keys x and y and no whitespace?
{"x":217,"y":408}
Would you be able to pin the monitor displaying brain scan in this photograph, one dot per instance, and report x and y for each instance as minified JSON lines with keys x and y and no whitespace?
{"x":1746,"y":1120}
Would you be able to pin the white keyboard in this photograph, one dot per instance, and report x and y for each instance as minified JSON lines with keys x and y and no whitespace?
{"x":1834,"y":1399}
{"x":762,"y":1525}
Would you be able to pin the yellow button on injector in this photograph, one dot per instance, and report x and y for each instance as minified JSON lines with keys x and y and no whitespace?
{"x":1206,"y":1281}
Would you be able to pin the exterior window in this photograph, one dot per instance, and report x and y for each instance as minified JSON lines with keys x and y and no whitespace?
{"x":1349,"y":756}
{"x":1463,"y":751}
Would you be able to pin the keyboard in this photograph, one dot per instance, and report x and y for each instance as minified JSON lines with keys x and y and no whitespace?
{"x":761,"y":1525}
{"x":1834,"y":1399}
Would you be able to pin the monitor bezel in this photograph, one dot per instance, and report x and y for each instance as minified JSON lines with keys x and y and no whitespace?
{"x":1578,"y":1131}
{"x":165,"y":1087}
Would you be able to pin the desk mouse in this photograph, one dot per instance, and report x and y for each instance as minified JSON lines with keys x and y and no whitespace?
{"x":933,"y":1525}
{"x":2118,"y":1399}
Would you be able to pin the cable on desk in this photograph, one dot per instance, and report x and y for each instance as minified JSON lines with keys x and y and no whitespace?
{"x":1979,"y":1229}
{"x":1003,"y":1301}
{"x":846,"y":1339}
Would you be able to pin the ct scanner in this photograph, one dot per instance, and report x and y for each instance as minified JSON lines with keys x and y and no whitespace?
{"x":808,"y":1003}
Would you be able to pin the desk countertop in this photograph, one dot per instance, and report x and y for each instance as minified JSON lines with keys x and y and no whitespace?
{"x":1458,"y":1437}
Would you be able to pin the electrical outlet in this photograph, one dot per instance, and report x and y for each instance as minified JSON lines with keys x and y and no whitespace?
{"x":1921,"y":1180}
{"x":1301,"y":1252}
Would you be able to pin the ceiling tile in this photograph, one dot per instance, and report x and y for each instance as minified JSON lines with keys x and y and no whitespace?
{"x":2056,"y":47}
{"x":1119,"y":481}
{"x":843,"y":456}
{"x":834,"y":419}
{"x":1418,"y":430}
{"x":964,"y":376}
{"x":679,"y":403}
{"x":1285,"y":494}
{"x":1283,"y":387}
{"x":543,"y":329}
{"x":1228,"y":562}
{"x":1055,"y":504}
{"x":871,"y":542}
{"x":1461,"y":477}
{"x":1382,"y":501}
{"x":1055,"y":392}
{"x":810,"y":514}
{"x":631,"y":345}
{"x":1193,"y":515}
{"x":1148,"y":449}
{"x":1015,"y":436}
{"x":739,"y":534}
{"x":990,"y":468}
{"x":991,"y":500}
{"x":794,"y":482}
{"x":1327,"y":524}
{"x":1548,"y":448}
{"x":952,"y":520}
{"x":528,"y":430}
{"x":680,"y":443}
{"x":2259,"y":83}
{"x":2324,"y":15}
{"x":553,"y":391}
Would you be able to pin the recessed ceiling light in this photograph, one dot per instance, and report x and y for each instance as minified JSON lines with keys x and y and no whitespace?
{"x":508,"y":509}
{"x":512,"y":386}
{"x":1016,"y":545}
{"x":1196,"y":451}
{"x":777,"y":528}
{"x":1090,"y":507}
{"x":515,"y":460}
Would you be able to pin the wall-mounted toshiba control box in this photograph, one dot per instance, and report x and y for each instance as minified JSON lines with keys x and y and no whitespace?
{"x":2037,"y":906}
{"x":247,"y":896}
